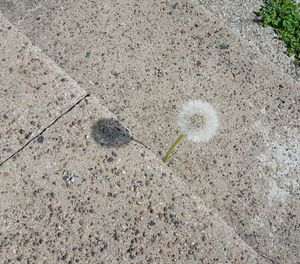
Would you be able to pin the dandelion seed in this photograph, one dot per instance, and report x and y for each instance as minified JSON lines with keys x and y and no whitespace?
{"x":198,"y":122}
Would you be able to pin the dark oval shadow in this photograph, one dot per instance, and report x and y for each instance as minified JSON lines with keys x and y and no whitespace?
{"x":110,"y":133}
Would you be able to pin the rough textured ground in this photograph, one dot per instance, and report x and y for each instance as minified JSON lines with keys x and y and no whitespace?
{"x":124,"y":206}
{"x":34,"y":91}
{"x":144,"y":59}
{"x":15,"y":9}
{"x":83,"y":191}
{"x":239,"y":15}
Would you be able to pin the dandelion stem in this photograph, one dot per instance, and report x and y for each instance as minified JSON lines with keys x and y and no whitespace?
{"x":169,"y":152}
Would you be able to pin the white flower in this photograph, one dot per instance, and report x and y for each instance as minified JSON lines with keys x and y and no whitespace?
{"x":198,"y":121}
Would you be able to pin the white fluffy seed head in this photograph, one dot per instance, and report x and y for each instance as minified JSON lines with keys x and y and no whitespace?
{"x":198,"y":121}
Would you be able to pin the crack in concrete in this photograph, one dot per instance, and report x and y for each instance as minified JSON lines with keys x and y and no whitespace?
{"x":46,"y":128}
{"x":137,"y":141}
{"x":194,"y":196}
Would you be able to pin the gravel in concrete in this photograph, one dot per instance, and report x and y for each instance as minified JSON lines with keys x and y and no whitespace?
{"x":240,"y":16}
{"x":33,"y":90}
{"x":70,"y":199}
{"x":144,"y":59}
{"x":17,"y":9}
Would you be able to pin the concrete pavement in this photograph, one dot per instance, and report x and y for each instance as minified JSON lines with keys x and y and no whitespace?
{"x":144,"y":59}
{"x":80,"y":190}
{"x":34,"y":91}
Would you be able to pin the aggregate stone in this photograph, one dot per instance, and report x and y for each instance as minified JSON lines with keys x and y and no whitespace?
{"x":240,"y":16}
{"x":17,"y":9}
{"x":32,"y":93}
{"x":147,"y":59}
{"x":96,"y":219}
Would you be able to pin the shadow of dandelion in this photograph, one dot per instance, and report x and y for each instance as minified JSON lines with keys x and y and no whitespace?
{"x":110,"y":133}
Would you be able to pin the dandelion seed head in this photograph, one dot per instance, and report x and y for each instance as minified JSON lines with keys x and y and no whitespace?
{"x":198,"y":121}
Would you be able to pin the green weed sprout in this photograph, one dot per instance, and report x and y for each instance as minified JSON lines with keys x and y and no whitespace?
{"x":284,"y":17}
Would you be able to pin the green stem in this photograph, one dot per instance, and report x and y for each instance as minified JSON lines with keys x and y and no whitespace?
{"x":169,"y":152}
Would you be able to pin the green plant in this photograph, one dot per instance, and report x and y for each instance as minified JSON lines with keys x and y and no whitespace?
{"x":284,"y":17}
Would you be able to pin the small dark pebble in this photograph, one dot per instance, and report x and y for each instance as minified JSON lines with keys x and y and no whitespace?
{"x":136,"y":232}
{"x":88,"y":54}
{"x":115,"y":74}
{"x":40,"y":139}
{"x":224,"y":46}
{"x":5,"y":116}
{"x":131,"y":256}
{"x":174,"y":220}
{"x":103,"y":245}
{"x":116,"y":236}
{"x":198,"y":63}
{"x":110,"y":159}
{"x":151,"y":223}
{"x":114,"y":154}
{"x":28,"y":135}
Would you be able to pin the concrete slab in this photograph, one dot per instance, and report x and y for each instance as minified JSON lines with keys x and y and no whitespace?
{"x":33,"y":93}
{"x":240,"y":16}
{"x":17,"y":9}
{"x":71,"y":200}
{"x":145,"y":58}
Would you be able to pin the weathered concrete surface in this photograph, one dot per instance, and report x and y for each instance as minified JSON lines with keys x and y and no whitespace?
{"x":33,"y":90}
{"x":240,"y":16}
{"x":123,"y":206}
{"x":17,"y":9}
{"x":143,"y":59}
